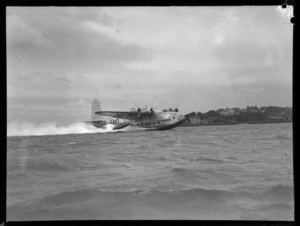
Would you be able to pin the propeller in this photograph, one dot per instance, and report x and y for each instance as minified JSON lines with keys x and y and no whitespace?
{"x":139,"y":112}
{"x":151,"y":108}
{"x":136,"y":107}
{"x":177,"y":108}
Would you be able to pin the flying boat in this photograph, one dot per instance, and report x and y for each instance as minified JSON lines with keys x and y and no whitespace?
{"x":150,"y":119}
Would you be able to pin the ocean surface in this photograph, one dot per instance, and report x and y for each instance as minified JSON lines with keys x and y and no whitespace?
{"x":234,"y":172}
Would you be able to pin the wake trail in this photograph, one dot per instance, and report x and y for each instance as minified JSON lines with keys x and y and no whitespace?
{"x":32,"y":129}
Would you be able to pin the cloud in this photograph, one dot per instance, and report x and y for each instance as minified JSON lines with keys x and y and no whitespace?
{"x":250,"y":41}
{"x":198,"y":56}
{"x":62,"y":110}
{"x":81,"y":102}
{"x":23,"y":36}
{"x":64,"y":38}
{"x":47,"y":77}
{"x":66,"y":52}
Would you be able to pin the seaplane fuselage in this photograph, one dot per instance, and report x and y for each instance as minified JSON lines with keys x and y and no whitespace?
{"x":161,"y":119}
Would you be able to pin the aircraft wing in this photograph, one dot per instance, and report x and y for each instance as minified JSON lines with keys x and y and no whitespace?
{"x":123,"y":114}
{"x":92,"y":121}
{"x":117,"y":114}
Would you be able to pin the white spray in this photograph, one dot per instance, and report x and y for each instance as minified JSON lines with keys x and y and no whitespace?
{"x":29,"y":129}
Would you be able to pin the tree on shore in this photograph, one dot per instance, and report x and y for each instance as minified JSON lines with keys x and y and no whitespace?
{"x":210,"y":114}
{"x":261,"y":114}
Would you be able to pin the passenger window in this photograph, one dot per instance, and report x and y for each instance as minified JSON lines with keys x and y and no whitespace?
{"x":173,"y":117}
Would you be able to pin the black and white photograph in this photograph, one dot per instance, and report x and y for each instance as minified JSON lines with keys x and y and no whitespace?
{"x":149,"y":113}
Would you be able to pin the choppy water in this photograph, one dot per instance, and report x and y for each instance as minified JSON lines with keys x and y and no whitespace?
{"x":233,"y":172}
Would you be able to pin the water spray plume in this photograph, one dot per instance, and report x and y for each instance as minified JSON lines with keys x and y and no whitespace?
{"x":32,"y":129}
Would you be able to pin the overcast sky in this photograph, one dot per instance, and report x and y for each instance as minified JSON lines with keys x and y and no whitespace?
{"x":197,"y":58}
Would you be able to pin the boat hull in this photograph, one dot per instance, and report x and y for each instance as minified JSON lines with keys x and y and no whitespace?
{"x":168,"y":127}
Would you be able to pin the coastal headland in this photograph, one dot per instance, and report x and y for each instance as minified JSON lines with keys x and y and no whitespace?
{"x":234,"y":116}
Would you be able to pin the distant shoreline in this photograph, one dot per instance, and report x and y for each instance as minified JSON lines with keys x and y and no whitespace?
{"x":225,"y":124}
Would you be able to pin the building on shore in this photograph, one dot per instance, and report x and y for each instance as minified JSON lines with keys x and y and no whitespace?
{"x":275,"y":118}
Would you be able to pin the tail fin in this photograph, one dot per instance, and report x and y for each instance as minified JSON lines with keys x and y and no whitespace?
{"x":96,"y":107}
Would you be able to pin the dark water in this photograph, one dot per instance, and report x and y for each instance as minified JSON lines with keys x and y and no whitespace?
{"x":239,"y":172}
